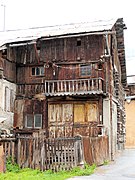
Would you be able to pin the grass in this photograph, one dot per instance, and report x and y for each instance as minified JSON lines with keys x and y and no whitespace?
{"x":15,"y":173}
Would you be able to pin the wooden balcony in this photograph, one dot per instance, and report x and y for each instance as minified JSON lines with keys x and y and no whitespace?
{"x":30,"y":89}
{"x":63,"y":87}
{"x":74,"y":87}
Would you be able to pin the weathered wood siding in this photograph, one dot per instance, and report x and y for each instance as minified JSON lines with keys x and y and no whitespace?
{"x":96,"y":150}
{"x":10,"y":71}
{"x":67,"y":50}
{"x":31,"y":107}
{"x":68,"y":119}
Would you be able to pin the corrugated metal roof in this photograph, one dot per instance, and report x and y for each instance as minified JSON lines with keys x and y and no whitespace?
{"x":35,"y":33}
{"x":75,"y":93}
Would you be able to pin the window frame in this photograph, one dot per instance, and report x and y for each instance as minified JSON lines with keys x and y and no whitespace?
{"x":26,"y":121}
{"x":40,"y":120}
{"x":88,"y":72}
{"x":41,"y":70}
{"x":33,"y":121}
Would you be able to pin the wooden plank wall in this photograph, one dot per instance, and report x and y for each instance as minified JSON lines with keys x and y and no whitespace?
{"x":9,"y":148}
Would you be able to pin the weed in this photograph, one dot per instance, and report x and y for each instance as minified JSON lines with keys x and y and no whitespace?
{"x":106,"y":162}
{"x":11,"y":167}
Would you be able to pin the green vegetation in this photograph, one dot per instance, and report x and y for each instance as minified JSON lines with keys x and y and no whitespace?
{"x":106,"y":162}
{"x":15,"y":173}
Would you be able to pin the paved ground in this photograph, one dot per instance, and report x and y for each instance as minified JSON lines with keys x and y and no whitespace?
{"x":122,"y":169}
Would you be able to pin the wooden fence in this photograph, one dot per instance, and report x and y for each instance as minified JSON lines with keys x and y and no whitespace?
{"x":57,"y":153}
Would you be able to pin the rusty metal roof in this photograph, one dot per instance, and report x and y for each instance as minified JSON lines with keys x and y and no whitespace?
{"x":49,"y":31}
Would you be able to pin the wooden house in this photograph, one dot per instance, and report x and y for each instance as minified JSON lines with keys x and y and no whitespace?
{"x":70,"y":81}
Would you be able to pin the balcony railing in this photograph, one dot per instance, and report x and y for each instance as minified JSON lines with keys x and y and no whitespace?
{"x":63,"y":87}
{"x":30,"y":89}
{"x":74,"y":87}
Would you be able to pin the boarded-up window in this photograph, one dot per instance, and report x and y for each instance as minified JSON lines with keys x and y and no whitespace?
{"x":60,"y":112}
{"x":55,"y":113}
{"x":92,"y":112}
{"x":67,"y":112}
{"x":73,"y":112}
{"x":79,"y":112}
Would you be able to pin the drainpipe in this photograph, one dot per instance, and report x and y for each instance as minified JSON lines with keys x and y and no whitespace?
{"x":110,"y":94}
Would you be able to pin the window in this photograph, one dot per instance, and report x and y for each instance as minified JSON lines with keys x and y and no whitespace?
{"x":33,"y":121}
{"x":78,"y":42}
{"x":11,"y":100}
{"x":7,"y":99}
{"x":85,"y":70}
{"x":37,"y":121}
{"x":37,"y":71}
{"x":38,"y":51}
{"x":29,"y":121}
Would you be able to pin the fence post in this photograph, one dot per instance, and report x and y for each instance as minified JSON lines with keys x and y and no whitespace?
{"x":79,"y":155}
{"x":2,"y":159}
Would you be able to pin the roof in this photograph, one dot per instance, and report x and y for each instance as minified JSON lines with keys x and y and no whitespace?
{"x":83,"y":93}
{"x":49,"y":31}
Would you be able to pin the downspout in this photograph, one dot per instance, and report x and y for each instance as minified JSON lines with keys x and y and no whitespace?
{"x":111,"y":123}
{"x":110,"y":93}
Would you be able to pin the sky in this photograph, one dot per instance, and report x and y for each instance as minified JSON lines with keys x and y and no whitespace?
{"x":21,"y":14}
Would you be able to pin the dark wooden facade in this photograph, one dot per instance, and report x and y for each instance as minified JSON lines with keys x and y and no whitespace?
{"x":63,"y":80}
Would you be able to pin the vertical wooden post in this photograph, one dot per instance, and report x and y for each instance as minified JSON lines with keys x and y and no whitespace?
{"x":79,"y":151}
{"x":18,"y":151}
{"x":2,"y":159}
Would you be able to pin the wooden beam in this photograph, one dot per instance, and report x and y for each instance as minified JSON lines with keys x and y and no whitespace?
{"x":77,"y":35}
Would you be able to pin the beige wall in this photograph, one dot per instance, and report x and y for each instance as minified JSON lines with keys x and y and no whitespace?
{"x":130,"y":124}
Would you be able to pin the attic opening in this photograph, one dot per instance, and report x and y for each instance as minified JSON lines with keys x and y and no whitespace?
{"x":78,"y":42}
{"x":38,"y":50}
{"x":4,"y":53}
